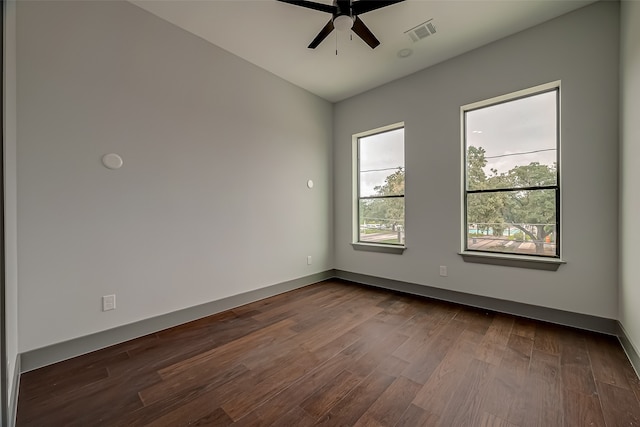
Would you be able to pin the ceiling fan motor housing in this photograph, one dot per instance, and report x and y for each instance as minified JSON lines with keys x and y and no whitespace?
{"x":342,"y":19}
{"x":343,"y":8}
{"x":345,"y":17}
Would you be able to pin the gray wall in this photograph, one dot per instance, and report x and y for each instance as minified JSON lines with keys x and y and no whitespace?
{"x":569,"y":49}
{"x":212,"y":198}
{"x":217,"y":154}
{"x":630,"y":173}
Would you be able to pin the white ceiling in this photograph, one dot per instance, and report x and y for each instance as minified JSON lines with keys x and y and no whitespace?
{"x":275,"y":36}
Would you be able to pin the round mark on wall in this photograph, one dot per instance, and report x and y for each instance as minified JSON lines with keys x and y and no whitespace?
{"x":112,"y":161}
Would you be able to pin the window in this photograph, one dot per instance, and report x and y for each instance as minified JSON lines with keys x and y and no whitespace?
{"x":380,"y":186}
{"x":511,"y":175}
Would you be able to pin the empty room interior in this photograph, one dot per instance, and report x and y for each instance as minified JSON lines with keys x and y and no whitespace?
{"x":192,"y":174}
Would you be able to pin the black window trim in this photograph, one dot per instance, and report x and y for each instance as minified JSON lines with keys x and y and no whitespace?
{"x":546,"y":262}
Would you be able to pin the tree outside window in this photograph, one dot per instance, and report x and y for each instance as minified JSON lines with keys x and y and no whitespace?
{"x":512,"y":191}
{"x":381,"y":177}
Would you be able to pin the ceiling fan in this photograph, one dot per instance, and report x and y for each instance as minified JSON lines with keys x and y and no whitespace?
{"x":345,"y":17}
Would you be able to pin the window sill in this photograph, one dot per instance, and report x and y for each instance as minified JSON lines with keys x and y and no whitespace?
{"x":372,"y":247}
{"x":522,"y":261}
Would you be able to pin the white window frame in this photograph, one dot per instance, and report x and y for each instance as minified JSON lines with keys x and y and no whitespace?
{"x":356,"y":243}
{"x":511,"y":259}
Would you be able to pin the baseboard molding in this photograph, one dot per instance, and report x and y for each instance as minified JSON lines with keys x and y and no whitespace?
{"x":13,"y":400}
{"x":545,"y":314}
{"x":38,"y":358}
{"x":632,"y":353}
{"x":65,"y":350}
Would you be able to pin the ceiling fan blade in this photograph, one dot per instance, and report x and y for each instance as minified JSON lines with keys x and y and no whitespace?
{"x":364,"y":6}
{"x":312,"y":5}
{"x":363,"y":32}
{"x":322,"y":35}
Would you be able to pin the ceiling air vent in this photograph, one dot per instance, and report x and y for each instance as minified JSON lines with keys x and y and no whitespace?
{"x":422,"y":31}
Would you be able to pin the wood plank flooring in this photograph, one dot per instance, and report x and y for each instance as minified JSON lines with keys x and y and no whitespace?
{"x":340,"y":354}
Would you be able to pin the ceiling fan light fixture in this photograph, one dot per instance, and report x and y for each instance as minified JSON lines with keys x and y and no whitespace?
{"x":343,"y":23}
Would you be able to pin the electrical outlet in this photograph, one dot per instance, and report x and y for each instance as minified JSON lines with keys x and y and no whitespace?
{"x":443,"y":270}
{"x":108,"y":302}
{"x":309,"y":260}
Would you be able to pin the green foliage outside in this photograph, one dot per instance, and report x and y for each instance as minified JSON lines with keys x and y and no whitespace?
{"x":386,"y":213}
{"x":524,"y":210}
{"x":491,"y":212}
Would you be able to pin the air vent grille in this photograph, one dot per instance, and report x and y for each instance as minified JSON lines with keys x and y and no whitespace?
{"x":421,"y":31}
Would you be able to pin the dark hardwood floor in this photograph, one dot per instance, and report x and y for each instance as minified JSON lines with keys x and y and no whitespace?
{"x":337,"y":354}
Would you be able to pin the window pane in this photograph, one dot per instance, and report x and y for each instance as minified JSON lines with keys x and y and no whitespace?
{"x":382,"y":220}
{"x":381,"y":164}
{"x":522,"y":222}
{"x":512,"y":144}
